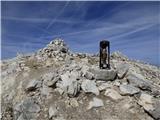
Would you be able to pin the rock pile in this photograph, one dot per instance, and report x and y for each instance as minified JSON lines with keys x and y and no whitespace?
{"x":73,"y":84}
{"x":55,"y":49}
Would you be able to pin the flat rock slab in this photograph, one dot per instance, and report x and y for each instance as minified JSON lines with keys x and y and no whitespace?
{"x":128,"y":90}
{"x":104,"y":74}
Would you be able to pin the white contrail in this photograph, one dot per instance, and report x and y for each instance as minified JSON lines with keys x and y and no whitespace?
{"x":34,"y":20}
{"x":52,"y":22}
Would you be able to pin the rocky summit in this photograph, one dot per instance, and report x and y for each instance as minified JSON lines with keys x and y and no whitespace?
{"x":55,"y":83}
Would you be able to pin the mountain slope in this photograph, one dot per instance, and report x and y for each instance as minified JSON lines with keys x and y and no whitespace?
{"x":55,"y":83}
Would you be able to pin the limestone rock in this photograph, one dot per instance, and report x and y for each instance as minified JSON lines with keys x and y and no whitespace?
{"x":113,"y":94}
{"x":128,"y":90}
{"x":102,"y":74}
{"x":138,"y":80}
{"x":50,"y":79}
{"x":122,"y":69}
{"x":151,"y":105}
{"x":146,"y":101}
{"x":33,"y":84}
{"x":96,"y":102}
{"x":69,"y":84}
{"x":89,"y":87}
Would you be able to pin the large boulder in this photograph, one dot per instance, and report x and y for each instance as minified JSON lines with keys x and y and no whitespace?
{"x":103,"y":74}
{"x":138,"y":80}
{"x":128,"y":90}
{"x":89,"y":86}
{"x":151,"y":105}
{"x":69,"y":84}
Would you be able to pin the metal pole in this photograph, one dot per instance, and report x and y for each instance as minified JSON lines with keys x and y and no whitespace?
{"x":109,"y":55}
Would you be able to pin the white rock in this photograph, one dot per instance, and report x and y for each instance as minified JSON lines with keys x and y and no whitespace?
{"x":96,"y":102}
{"x":69,"y":84}
{"x":113,"y":94}
{"x":89,"y":87}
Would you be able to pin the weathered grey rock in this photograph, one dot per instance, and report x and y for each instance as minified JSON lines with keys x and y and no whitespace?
{"x":69,"y":84}
{"x":138,"y":80}
{"x":89,"y":87}
{"x":122,"y":70}
{"x":26,"y":109}
{"x":128,"y":90}
{"x":113,"y":94}
{"x":151,"y":105}
{"x":96,"y":102}
{"x":102,"y":74}
{"x":33,"y":84}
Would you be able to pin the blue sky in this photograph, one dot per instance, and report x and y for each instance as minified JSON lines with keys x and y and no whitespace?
{"x":131,"y":27}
